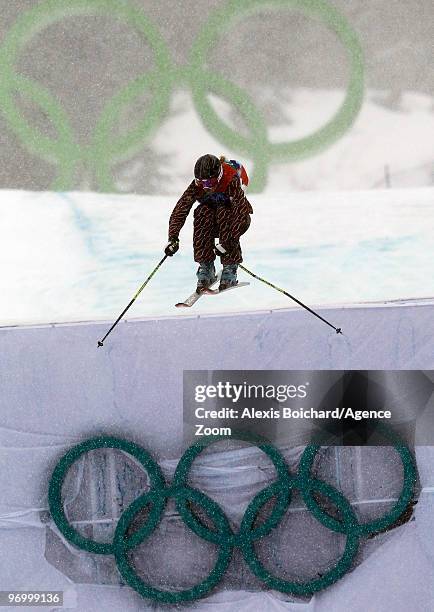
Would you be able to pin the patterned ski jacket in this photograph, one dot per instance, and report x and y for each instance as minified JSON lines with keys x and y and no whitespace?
{"x":229,"y":192}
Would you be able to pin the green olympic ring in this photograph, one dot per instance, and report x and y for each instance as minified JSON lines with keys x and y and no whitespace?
{"x":58,"y":477}
{"x":221,"y":533}
{"x":67,"y":151}
{"x":186,"y":494}
{"x":258,"y":147}
{"x":105,"y":149}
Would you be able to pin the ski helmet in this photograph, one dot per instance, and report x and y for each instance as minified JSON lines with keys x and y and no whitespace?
{"x":208,"y":166}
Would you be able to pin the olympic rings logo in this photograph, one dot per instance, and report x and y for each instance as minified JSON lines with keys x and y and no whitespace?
{"x":222,"y":535}
{"x":105,"y":149}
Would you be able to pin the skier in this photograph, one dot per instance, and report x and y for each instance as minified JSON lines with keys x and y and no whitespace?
{"x":223,"y":213}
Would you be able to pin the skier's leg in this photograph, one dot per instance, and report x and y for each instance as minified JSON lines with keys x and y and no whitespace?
{"x":203,"y":245}
{"x":230,"y":229}
{"x":203,"y":233}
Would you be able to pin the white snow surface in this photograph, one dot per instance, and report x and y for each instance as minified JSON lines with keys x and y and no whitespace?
{"x":82,"y":256}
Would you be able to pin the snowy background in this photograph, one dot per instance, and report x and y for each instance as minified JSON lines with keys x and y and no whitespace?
{"x":295,"y":77}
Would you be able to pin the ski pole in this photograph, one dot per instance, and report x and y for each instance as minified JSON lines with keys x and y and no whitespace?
{"x":101,"y":342}
{"x":337,"y":329}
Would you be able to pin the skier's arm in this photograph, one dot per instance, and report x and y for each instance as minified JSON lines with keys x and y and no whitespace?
{"x":181,"y":210}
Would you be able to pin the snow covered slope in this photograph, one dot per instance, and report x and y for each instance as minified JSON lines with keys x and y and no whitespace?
{"x":82,"y":256}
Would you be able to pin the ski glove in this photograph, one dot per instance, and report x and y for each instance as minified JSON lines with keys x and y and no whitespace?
{"x":220,"y":249}
{"x":172,"y":246}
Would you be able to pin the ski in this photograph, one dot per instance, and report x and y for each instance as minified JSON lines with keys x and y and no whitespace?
{"x":217,"y":292}
{"x":192,"y":299}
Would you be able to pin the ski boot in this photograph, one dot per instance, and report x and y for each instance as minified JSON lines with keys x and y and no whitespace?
{"x":206,"y":276}
{"x":229,"y":277}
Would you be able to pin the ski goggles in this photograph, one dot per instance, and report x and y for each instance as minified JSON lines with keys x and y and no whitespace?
{"x":209,"y":183}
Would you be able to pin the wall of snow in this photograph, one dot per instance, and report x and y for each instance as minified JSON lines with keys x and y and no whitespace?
{"x":53,"y":372}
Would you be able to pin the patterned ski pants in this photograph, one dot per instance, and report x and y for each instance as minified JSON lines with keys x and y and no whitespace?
{"x":219,"y":222}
